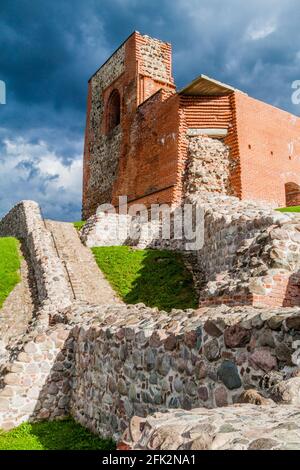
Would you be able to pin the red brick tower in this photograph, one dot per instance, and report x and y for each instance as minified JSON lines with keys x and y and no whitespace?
{"x":137,"y":69}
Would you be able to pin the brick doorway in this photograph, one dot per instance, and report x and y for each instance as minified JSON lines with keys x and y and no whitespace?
{"x":292,"y":194}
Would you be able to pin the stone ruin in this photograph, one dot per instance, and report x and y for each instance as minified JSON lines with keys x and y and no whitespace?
{"x":250,"y":255}
{"x":157,"y":380}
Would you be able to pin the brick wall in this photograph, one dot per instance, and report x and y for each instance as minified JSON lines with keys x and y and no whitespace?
{"x":145,"y":156}
{"x":269,"y":149}
{"x":215,"y":112}
{"x":147,"y":171}
{"x":207,"y":111}
{"x":137,"y":70}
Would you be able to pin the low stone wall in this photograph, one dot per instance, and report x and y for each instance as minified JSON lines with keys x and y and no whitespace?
{"x":106,"y":230}
{"x":25,"y":222}
{"x":36,"y":385}
{"x":112,"y":229}
{"x":250,"y":253}
{"x":143,"y":361}
{"x":239,"y":427}
{"x":106,"y":364}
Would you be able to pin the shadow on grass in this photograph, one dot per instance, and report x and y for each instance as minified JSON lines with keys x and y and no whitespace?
{"x":55,"y":435}
{"x":157,"y":278}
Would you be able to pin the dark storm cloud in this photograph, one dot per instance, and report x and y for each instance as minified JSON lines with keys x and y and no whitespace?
{"x":50,"y":48}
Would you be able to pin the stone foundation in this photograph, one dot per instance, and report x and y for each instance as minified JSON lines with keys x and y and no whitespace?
{"x":106,"y":364}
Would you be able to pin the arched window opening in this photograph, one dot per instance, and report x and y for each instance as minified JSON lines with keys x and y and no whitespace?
{"x":113,"y":110}
{"x":292,"y":194}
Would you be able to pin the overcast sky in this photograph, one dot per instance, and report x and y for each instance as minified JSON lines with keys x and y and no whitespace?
{"x":49,"y":49}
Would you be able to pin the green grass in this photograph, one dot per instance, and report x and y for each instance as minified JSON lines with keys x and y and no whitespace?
{"x":53,"y":435}
{"x":9,"y":266}
{"x":153,"y":277}
{"x":289,"y":209}
{"x":78,"y":225}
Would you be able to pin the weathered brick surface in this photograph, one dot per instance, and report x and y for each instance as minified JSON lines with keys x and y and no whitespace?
{"x":145,"y":157}
{"x":152,"y":150}
{"x":137,"y":70}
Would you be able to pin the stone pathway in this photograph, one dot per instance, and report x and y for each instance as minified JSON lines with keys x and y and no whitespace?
{"x":86,"y":280}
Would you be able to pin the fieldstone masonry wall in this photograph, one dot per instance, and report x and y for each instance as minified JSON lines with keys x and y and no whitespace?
{"x":36,"y":382}
{"x":208,"y":166}
{"x":25,"y":222}
{"x":103,"y":150}
{"x":148,"y":361}
{"x":250,"y":253}
{"x":153,"y":59}
{"x":107,"y":364}
{"x":242,"y":427}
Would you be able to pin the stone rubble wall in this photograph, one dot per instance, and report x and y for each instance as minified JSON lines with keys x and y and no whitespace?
{"x":36,"y":384}
{"x":111,"y":69}
{"x":240,"y":427}
{"x":103,"y":150}
{"x":106,"y":364}
{"x":146,"y":361}
{"x":25,"y":222}
{"x":208,"y":166}
{"x":155,"y":59}
{"x":250,"y":254}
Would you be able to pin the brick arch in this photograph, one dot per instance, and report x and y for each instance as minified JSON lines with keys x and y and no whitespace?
{"x":292,"y":194}
{"x":113,"y":111}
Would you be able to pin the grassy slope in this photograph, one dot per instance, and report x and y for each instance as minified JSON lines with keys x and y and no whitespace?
{"x":78,"y":225}
{"x":156,"y":278}
{"x":54,"y":435}
{"x":289,"y":209}
{"x":9,"y":266}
